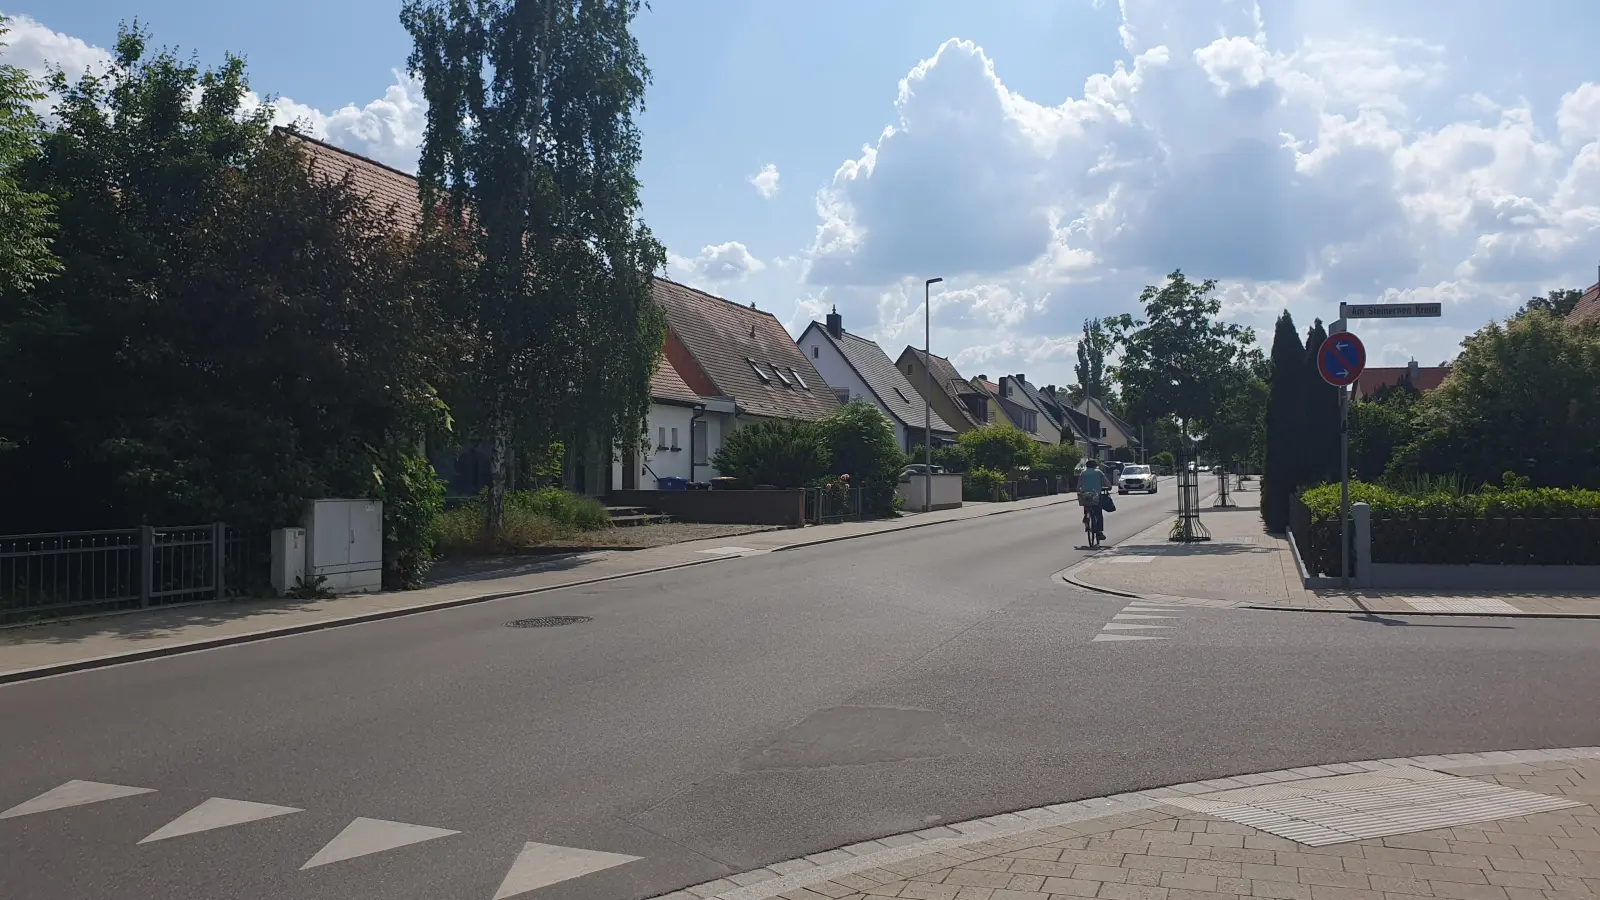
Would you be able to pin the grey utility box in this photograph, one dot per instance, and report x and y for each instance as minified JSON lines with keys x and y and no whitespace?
{"x":344,"y":544}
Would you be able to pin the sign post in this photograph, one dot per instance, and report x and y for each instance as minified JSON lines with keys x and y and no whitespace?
{"x":1340,"y":360}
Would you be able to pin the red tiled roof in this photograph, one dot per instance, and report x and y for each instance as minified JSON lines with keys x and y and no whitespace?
{"x":387,"y":188}
{"x":722,"y":335}
{"x":668,"y":386}
{"x":1427,"y":378}
{"x":1588,"y":308}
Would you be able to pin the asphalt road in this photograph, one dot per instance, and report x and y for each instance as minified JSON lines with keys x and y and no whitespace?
{"x":717,"y":718}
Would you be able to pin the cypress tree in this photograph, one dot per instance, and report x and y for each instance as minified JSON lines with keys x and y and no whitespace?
{"x":1322,"y":416}
{"x":1286,"y":422}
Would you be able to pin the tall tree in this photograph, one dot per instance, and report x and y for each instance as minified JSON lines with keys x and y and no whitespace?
{"x":1321,"y":441}
{"x":1285,"y":423}
{"x":1178,"y":360}
{"x":26,"y":217}
{"x":1091,"y":366}
{"x":1561,"y":302}
{"x":531,"y":144}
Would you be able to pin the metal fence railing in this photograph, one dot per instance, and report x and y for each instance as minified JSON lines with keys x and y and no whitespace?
{"x":66,"y":573}
{"x":825,"y":507}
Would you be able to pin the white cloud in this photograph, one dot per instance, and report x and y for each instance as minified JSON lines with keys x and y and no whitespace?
{"x":1339,"y":167}
{"x":766,"y":181}
{"x":388,"y":129}
{"x":714,"y":266}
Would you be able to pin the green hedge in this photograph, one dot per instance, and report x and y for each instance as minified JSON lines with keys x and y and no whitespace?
{"x":1495,"y":526}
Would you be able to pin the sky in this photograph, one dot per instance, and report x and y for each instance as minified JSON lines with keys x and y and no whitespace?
{"x":1046,"y":158}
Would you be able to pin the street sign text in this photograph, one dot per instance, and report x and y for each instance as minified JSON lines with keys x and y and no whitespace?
{"x":1392,"y":310}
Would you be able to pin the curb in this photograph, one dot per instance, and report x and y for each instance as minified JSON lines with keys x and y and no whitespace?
{"x":791,"y":877}
{"x":99,"y":662}
{"x":851,"y":537}
{"x":249,"y":637}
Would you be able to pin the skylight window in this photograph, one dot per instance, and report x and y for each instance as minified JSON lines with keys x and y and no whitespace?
{"x":765,"y":379}
{"x":803,"y":385}
{"x":781,"y":377}
{"x":901,"y":395}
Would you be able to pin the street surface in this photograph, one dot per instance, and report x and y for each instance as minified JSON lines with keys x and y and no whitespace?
{"x":713,"y":719}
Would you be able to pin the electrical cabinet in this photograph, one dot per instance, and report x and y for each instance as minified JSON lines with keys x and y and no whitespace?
{"x":344,"y":544}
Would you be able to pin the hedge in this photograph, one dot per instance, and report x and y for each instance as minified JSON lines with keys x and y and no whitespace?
{"x":1495,"y":526}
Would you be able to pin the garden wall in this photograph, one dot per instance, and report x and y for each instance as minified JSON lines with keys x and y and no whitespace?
{"x":784,"y":507}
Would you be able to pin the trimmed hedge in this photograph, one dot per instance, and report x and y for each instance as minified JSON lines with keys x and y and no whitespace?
{"x":1496,"y":526}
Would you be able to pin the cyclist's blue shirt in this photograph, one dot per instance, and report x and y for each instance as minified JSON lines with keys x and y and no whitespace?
{"x":1092,"y":480}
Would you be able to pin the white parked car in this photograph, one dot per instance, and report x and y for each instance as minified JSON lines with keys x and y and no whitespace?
{"x":1137,"y":478}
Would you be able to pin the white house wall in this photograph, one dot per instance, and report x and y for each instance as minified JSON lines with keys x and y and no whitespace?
{"x":840,"y":375}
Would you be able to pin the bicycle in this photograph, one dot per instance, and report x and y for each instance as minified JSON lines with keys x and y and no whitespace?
{"x":1093,"y":523}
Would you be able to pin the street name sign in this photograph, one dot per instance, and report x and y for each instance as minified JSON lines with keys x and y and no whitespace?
{"x":1392,"y":310}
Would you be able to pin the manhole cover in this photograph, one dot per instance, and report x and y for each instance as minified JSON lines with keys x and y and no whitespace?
{"x":548,"y":622}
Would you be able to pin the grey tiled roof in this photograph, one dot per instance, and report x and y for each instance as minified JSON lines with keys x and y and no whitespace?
{"x":722,"y":335}
{"x":885,"y":381}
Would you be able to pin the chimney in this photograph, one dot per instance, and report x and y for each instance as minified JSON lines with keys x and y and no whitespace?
{"x":1022,"y":378}
{"x":836,"y":323}
{"x":1411,"y":371}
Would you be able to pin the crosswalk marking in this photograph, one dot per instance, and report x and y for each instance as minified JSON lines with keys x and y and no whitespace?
{"x":218,"y":812}
{"x":540,"y":865}
{"x":1126,"y":626}
{"x":1125,"y":637}
{"x":364,"y":836}
{"x":1120,"y":616}
{"x":73,"y":793}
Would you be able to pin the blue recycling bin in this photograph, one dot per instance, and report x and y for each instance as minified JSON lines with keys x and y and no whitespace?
{"x":672,"y":483}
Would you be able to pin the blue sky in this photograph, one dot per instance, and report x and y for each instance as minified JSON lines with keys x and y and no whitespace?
{"x":1048,"y":157}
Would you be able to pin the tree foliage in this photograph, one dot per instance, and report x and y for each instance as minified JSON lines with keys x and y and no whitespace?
{"x":778,"y":452}
{"x":531,"y":144}
{"x":1561,"y":302}
{"x":1379,"y":426}
{"x":26,"y":216}
{"x":1285,"y":424}
{"x":1178,"y":361}
{"x":999,"y":448}
{"x":1524,"y":395}
{"x":228,"y":336}
{"x":1061,"y":460}
{"x":1320,"y":438}
{"x":862,"y":445}
{"x":1090,"y":369}
{"x":1236,"y":434}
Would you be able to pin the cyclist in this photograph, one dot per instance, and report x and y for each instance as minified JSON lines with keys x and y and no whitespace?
{"x":1092,"y":483}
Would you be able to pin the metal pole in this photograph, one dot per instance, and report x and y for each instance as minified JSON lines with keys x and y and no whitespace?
{"x":927,"y":393}
{"x":1344,"y":487}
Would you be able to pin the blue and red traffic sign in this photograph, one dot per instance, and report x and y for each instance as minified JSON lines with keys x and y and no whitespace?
{"x":1341,"y":358}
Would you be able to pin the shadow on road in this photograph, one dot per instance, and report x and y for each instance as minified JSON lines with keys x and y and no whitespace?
{"x":1387,"y":620}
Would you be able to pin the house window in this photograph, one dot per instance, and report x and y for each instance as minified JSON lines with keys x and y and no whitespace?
{"x":843,"y":394}
{"x":781,"y":377}
{"x":901,"y":394}
{"x":757,"y":369}
{"x":816,"y":352}
{"x":697,"y":443}
{"x":797,"y":378}
{"x":1030,"y":421}
{"x":675,"y":440}
{"x":661,"y":437}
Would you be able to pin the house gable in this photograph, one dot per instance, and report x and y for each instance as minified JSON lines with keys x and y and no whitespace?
{"x":872,"y":369}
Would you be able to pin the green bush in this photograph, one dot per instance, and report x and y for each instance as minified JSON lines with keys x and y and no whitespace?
{"x":998,"y":447}
{"x":413,"y":499}
{"x":1060,"y":460}
{"x":982,"y":484}
{"x":950,"y":457}
{"x":862,"y":445}
{"x":779,"y":452}
{"x":1445,"y":501}
{"x":561,"y":507}
{"x":1165,"y":459}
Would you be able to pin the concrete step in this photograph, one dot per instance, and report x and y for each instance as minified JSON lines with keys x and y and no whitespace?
{"x":635,"y":519}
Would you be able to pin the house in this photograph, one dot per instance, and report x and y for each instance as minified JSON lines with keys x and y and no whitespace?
{"x":1004,"y":410}
{"x":1074,"y":424}
{"x":1422,"y":378}
{"x":1588,"y":307}
{"x":856,"y":367}
{"x":955,"y":399}
{"x":1112,"y":433}
{"x":1036,"y":418}
{"x":723,"y":366}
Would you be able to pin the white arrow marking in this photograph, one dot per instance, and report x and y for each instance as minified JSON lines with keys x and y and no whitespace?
{"x":1132,"y":616}
{"x":365,"y":836}
{"x":539,"y":865}
{"x":1118,"y":626}
{"x":1125,"y":637}
{"x":73,"y":793}
{"x":218,"y":812}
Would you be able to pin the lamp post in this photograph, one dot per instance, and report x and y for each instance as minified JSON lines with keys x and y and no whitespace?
{"x":927,"y":394}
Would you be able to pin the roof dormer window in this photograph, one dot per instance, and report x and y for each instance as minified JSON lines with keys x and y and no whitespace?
{"x":765,"y":379}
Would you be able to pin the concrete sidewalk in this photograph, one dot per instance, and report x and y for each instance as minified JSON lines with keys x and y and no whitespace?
{"x":1517,"y":825}
{"x":1244,"y":566}
{"x":33,"y":651}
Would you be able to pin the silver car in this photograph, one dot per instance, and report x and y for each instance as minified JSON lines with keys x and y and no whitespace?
{"x":1137,"y":478}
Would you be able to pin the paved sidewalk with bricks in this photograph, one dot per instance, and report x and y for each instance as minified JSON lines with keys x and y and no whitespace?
{"x":1517,"y":825}
{"x":27,"y":651}
{"x":1244,"y":566}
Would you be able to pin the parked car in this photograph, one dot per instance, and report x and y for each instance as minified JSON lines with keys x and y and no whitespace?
{"x":920,"y":469}
{"x":1137,"y":478}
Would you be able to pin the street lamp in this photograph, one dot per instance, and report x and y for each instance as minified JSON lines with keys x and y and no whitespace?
{"x":927,"y":395}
